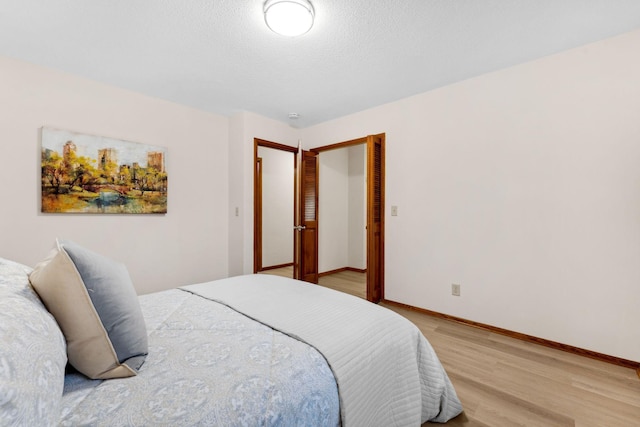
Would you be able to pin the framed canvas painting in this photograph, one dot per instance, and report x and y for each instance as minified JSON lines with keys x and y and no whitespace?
{"x":93,"y":174}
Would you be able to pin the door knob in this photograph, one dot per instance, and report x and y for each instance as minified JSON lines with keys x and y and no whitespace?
{"x":299,"y":227}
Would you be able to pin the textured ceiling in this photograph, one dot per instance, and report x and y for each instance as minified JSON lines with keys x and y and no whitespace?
{"x":219,"y":56}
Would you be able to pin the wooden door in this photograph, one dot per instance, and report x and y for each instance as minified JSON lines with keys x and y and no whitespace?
{"x":306,"y":263}
{"x":257,"y":216}
{"x":375,"y":217}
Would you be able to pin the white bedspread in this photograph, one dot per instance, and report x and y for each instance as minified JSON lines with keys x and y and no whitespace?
{"x":387,"y":372}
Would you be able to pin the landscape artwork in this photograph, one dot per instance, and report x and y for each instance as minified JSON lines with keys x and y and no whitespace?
{"x":94,"y":174}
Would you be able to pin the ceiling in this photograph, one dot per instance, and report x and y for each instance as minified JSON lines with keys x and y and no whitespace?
{"x":219,"y":56}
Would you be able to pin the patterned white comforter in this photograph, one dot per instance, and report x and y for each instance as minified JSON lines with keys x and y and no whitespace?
{"x":387,"y":372}
{"x":208,"y":365}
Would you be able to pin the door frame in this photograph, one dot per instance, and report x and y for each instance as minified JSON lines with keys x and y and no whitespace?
{"x":375,"y":291}
{"x":257,"y":194}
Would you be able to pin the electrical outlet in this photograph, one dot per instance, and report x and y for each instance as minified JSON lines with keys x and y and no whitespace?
{"x":455,"y":290}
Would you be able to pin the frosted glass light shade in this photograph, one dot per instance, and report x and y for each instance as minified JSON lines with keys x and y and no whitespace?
{"x":289,"y":17}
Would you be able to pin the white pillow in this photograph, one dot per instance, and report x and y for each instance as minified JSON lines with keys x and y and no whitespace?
{"x":33,"y":354}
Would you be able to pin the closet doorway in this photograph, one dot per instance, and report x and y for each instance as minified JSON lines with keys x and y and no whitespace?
{"x":304,"y":193}
{"x":374,"y":171}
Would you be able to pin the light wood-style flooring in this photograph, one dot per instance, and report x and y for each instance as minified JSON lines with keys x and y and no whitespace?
{"x":350,"y":282}
{"x":503,"y":381}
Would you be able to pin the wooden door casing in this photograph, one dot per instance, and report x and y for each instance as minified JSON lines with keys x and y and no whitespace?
{"x":257,"y":196}
{"x":375,"y":209}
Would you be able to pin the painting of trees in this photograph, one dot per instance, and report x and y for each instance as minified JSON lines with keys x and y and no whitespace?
{"x":60,"y":175}
{"x":95,"y":181}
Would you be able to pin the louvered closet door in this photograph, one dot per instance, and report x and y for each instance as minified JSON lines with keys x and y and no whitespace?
{"x":375,"y":218}
{"x":308,"y":225}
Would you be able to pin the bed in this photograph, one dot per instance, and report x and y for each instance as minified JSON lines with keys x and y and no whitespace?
{"x":253,"y":350}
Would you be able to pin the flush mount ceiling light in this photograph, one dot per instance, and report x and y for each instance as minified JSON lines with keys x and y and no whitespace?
{"x":289,"y":17}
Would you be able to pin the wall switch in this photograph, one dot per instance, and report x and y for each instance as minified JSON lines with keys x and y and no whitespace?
{"x":394,"y":211}
{"x":455,"y":290}
{"x":237,"y":211}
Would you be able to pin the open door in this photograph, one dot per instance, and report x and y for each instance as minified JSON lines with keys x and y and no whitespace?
{"x":257,"y":215}
{"x":306,"y":234}
{"x":375,"y":217}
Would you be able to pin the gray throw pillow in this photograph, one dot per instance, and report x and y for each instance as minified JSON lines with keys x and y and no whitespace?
{"x":93,"y":300}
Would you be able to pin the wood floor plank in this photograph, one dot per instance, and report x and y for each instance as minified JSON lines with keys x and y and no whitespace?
{"x":501,"y":408}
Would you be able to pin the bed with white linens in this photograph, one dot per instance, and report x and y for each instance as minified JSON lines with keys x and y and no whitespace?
{"x":255,"y":350}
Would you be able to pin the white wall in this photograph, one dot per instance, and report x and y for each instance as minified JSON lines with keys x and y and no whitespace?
{"x":522,"y":186}
{"x":333,"y":210}
{"x":342,"y":209}
{"x":187,"y":245}
{"x":238,"y":179}
{"x":357,"y":206}
{"x":277,"y":206}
